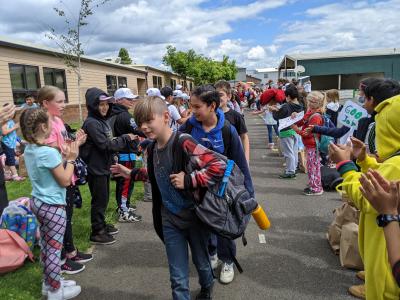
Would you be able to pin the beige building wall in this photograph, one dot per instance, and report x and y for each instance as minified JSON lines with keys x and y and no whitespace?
{"x":93,"y":74}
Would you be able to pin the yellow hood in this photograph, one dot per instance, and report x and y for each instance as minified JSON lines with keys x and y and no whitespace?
{"x":388,"y":127}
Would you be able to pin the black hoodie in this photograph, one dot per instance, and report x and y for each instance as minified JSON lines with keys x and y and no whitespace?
{"x":100,"y":145}
{"x":124,"y":123}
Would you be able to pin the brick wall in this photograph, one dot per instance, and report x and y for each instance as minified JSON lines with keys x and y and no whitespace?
{"x":71,"y":113}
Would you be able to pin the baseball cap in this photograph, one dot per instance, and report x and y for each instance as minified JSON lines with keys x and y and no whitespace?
{"x":154,"y":92}
{"x":105,"y":97}
{"x":166,"y":91}
{"x":179,"y":87}
{"x":178,"y":94}
{"x":185,"y":96}
{"x":125,"y":93}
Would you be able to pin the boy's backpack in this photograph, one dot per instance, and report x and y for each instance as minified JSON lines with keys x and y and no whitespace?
{"x":20,"y":219}
{"x":330,"y":178}
{"x":13,"y":251}
{"x":226,"y":135}
{"x":324,"y":142}
{"x":226,"y":207}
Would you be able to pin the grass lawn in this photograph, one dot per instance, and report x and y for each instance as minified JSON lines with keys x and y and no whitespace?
{"x":25,"y":283}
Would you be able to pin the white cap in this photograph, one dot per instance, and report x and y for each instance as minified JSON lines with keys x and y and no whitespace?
{"x":179,"y":87}
{"x":178,"y":94}
{"x":154,"y":92}
{"x":124,"y":93}
{"x":185,"y":96}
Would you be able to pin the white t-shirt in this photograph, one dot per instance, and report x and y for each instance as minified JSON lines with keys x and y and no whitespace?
{"x":174,"y":116}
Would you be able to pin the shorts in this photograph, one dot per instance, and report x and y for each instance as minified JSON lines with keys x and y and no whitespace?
{"x":10,"y":155}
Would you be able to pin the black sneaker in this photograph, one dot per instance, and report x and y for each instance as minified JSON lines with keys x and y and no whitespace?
{"x":111,"y":229}
{"x":310,"y":192}
{"x":81,"y":257}
{"x":102,"y":238}
{"x":71,"y":267}
{"x":287,"y":176}
{"x":205,"y":294}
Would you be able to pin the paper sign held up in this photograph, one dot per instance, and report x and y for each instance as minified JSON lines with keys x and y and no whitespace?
{"x":351,"y":113}
{"x":286,"y":122}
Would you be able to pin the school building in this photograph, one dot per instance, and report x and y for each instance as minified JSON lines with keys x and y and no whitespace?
{"x":25,"y":67}
{"x":344,"y":70}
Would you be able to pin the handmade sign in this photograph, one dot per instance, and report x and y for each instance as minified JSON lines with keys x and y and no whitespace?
{"x":351,"y":113}
{"x":286,"y":122}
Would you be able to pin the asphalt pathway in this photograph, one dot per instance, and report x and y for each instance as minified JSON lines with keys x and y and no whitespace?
{"x":292,"y":260}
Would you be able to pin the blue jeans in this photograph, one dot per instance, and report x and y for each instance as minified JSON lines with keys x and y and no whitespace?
{"x":224,"y":247}
{"x":176,"y":243}
{"x":270,"y":133}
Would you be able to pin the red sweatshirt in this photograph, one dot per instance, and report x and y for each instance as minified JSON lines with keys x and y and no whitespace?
{"x":312,"y":117}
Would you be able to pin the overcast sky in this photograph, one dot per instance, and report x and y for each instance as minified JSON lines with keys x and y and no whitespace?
{"x":254,"y":33}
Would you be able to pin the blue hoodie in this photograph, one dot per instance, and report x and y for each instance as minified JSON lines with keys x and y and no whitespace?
{"x":213,"y":140}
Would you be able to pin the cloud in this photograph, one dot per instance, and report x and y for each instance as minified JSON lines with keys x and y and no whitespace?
{"x":144,"y":27}
{"x":256,"y":53}
{"x":346,"y":25}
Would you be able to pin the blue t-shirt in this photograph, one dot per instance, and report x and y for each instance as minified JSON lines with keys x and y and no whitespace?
{"x":10,"y":140}
{"x":39,"y":161}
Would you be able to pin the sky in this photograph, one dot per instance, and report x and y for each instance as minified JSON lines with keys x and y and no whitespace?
{"x":257,"y":34}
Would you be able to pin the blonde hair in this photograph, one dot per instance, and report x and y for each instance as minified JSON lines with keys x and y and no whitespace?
{"x":145,"y":109}
{"x":30,"y":121}
{"x":317,"y":98}
{"x":48,"y":92}
{"x":332,"y":95}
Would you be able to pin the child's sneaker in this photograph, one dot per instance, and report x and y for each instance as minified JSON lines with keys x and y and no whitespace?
{"x":71,"y":267}
{"x":287,"y":176}
{"x":102,"y":238}
{"x":64,"y":283}
{"x":132,"y":208}
{"x":214,"y":261}
{"x":111,"y":229}
{"x":62,"y":293}
{"x":271,"y":146}
{"x":17,"y":178}
{"x":81,"y":257}
{"x":227,"y":273}
{"x":128,"y":217}
{"x":310,"y":192}
{"x":205,"y":294}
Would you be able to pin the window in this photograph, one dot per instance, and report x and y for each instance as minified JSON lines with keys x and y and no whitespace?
{"x":173,"y":84}
{"x":191,"y":86}
{"x":56,"y":77}
{"x":157,"y":82}
{"x":265,"y":75}
{"x":24,"y":80}
{"x":289,"y":74}
{"x":111,"y":84}
{"x":122,"y":82}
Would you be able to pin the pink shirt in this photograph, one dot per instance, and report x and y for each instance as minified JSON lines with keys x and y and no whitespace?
{"x":58,"y":134}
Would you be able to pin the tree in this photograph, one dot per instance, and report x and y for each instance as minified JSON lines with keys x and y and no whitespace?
{"x":70,"y":43}
{"x":124,"y":55}
{"x":202,"y":69}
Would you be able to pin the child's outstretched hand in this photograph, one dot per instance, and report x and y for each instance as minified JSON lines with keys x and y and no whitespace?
{"x":359,"y":149}
{"x":71,"y":150}
{"x":81,"y":137}
{"x":383,"y":195}
{"x":120,"y":171}
{"x":309,"y":129}
{"x":338,"y":153}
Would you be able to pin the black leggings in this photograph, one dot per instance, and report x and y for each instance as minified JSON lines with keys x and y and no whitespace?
{"x":3,"y":192}
{"x":68,"y":244}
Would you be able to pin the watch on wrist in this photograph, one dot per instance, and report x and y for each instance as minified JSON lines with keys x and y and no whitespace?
{"x":383,"y":220}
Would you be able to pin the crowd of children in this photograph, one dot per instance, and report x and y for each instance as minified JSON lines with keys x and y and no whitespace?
{"x":206,"y":124}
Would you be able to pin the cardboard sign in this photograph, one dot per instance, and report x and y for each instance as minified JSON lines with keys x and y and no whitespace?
{"x":286,"y":122}
{"x":351,"y":113}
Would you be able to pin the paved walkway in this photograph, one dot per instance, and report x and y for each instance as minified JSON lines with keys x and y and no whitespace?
{"x":294,"y":263}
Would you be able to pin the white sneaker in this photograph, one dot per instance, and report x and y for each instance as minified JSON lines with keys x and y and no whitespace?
{"x":227,"y":273}
{"x":214,"y":261}
{"x":64,"y":293}
{"x":64,"y":283}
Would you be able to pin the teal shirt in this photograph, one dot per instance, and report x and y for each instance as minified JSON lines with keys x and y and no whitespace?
{"x":39,"y":161}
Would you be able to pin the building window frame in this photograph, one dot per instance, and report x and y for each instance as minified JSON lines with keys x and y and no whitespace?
{"x":53,"y":71}
{"x":157,"y":81}
{"x":20,"y":93}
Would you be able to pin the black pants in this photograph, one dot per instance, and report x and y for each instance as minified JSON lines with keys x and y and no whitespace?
{"x":99,"y":187}
{"x":124,"y":187}
{"x":68,"y":237}
{"x":3,"y":192}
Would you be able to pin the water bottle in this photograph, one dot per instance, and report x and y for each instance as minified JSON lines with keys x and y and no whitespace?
{"x":261,"y":218}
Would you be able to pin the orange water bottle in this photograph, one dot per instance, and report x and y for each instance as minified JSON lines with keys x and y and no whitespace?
{"x":261,"y":218}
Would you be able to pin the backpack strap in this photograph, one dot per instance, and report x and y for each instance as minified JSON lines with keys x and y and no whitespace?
{"x":227,"y":136}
